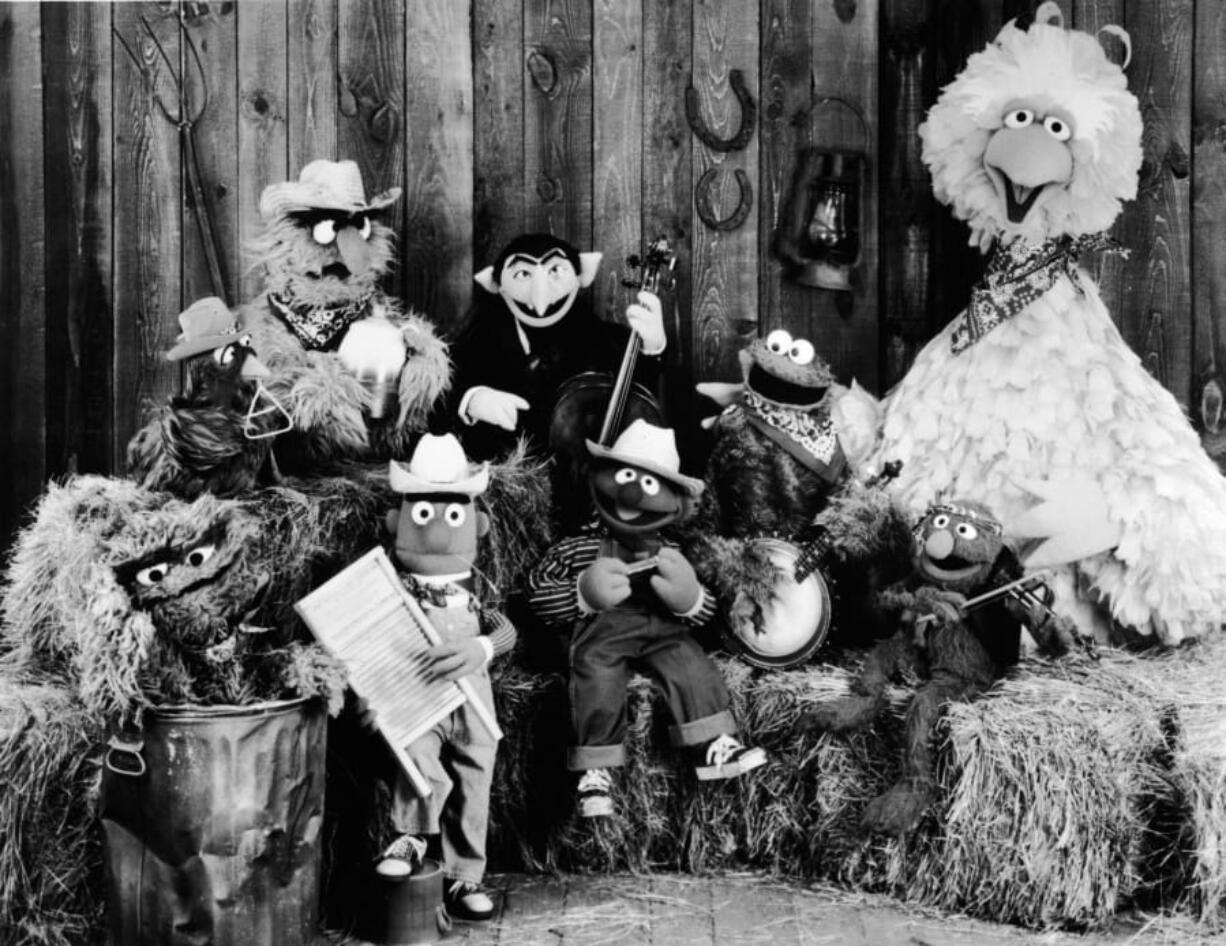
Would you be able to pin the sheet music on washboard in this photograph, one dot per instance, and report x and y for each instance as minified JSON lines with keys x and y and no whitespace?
{"x":370,"y":622}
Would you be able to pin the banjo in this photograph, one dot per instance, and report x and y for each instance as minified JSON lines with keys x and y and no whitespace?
{"x":795,"y":623}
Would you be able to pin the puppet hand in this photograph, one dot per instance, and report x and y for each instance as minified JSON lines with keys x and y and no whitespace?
{"x":675,"y":583}
{"x":604,"y":583}
{"x":452,"y":660}
{"x":944,"y":606}
{"x":366,"y":715}
{"x":500,"y":408}
{"x":647,"y":318}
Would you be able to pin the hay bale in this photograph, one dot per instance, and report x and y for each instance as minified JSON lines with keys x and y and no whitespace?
{"x":51,"y":858}
{"x":1046,"y":787}
{"x":1195,"y":856}
{"x":796,"y":815}
{"x":1055,"y":808}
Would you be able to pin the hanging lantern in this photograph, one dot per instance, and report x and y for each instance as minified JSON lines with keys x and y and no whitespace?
{"x":821,"y":237}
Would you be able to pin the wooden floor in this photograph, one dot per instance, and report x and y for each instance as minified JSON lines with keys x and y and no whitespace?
{"x":743,"y":909}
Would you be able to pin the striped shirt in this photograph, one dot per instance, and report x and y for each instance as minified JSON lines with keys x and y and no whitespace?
{"x":553,"y":586}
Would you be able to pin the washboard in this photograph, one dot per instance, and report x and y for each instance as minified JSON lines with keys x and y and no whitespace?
{"x":369,"y":621}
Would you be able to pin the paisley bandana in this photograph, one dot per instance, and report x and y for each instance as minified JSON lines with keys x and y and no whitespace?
{"x":808,"y":435}
{"x":1018,"y":274}
{"x":436,"y":593}
{"x":320,"y":328}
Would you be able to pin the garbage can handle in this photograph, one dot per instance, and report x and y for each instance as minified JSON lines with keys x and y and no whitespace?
{"x":117,"y":748}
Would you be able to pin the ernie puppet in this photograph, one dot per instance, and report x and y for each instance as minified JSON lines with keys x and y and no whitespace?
{"x":631,"y":599}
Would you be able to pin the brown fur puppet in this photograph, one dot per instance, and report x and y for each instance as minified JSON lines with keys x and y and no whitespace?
{"x":782,"y":465}
{"x":358,"y":376}
{"x":960,"y":553}
{"x":217,"y":436}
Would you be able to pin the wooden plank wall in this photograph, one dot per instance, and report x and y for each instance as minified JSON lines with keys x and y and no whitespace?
{"x":498,"y":116}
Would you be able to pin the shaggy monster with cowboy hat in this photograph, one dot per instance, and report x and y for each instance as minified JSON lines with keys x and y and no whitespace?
{"x":631,"y":599}
{"x":358,"y":375}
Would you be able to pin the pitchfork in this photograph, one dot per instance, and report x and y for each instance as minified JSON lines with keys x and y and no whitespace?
{"x":184,"y":112}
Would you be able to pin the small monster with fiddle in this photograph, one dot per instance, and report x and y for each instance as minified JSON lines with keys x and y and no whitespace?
{"x":632,"y":598}
{"x":960,"y":616}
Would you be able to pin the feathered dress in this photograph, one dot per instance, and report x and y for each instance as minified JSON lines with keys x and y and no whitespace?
{"x":1054,"y":393}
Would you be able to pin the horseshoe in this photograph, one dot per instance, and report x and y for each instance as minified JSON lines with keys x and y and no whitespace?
{"x":705,"y":205}
{"x":693,"y":114}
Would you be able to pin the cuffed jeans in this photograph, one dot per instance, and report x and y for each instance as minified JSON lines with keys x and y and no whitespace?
{"x":457,"y":759}
{"x":605,"y":652}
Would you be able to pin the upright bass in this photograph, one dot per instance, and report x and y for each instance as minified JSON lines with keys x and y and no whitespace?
{"x":596,"y":405}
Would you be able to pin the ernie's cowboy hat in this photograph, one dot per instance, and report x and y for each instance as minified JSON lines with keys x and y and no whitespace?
{"x":324,"y":185}
{"x":205,"y":325}
{"x":649,"y":448}
{"x":438,"y":465}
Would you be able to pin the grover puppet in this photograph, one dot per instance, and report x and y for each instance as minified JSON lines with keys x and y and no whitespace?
{"x":960,"y":650}
{"x":632,"y":599}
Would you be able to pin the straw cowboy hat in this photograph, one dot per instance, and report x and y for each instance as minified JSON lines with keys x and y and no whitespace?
{"x":438,"y":465}
{"x":324,"y":185}
{"x":649,"y":448}
{"x":205,"y":325}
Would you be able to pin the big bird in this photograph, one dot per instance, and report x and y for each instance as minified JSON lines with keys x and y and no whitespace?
{"x":1030,"y":401}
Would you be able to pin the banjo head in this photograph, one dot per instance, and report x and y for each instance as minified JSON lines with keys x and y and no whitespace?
{"x":795,"y":623}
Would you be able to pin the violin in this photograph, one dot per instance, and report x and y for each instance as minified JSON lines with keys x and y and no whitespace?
{"x":596,"y":405}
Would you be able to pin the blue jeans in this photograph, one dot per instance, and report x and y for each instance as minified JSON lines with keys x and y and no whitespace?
{"x":457,"y":759}
{"x":603,"y":654}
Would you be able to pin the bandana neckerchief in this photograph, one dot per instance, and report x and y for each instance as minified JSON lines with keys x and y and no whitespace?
{"x":435,"y":593}
{"x":806,"y":434}
{"x":319,"y":328}
{"x":1018,"y":274}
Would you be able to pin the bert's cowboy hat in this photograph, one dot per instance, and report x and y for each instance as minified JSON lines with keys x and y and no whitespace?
{"x":438,"y":465}
{"x":205,"y":325}
{"x":324,"y":185}
{"x":650,"y":448}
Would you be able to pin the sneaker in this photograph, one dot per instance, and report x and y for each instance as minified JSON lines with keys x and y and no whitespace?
{"x":726,"y":757}
{"x":402,"y":856}
{"x":464,"y":900}
{"x":594,"y":788}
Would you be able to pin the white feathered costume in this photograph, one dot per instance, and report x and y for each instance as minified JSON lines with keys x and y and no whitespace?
{"x":1032,"y":391}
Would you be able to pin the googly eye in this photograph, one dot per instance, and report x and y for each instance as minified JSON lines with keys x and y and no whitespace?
{"x":245,"y":340}
{"x":224,"y":356}
{"x":422,"y":512}
{"x":778,"y":341}
{"x":802,"y":352}
{"x":324,"y":232}
{"x":649,"y":484}
{"x":1058,"y":128}
{"x":624,"y":475}
{"x":153,"y":574}
{"x":365,"y":228}
{"x":940,"y":521}
{"x":199,"y":555}
{"x":967,"y":531}
{"x":454,"y":515}
{"x":1019,"y":118}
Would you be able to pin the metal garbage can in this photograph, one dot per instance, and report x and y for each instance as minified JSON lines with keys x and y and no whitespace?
{"x":212,"y":823}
